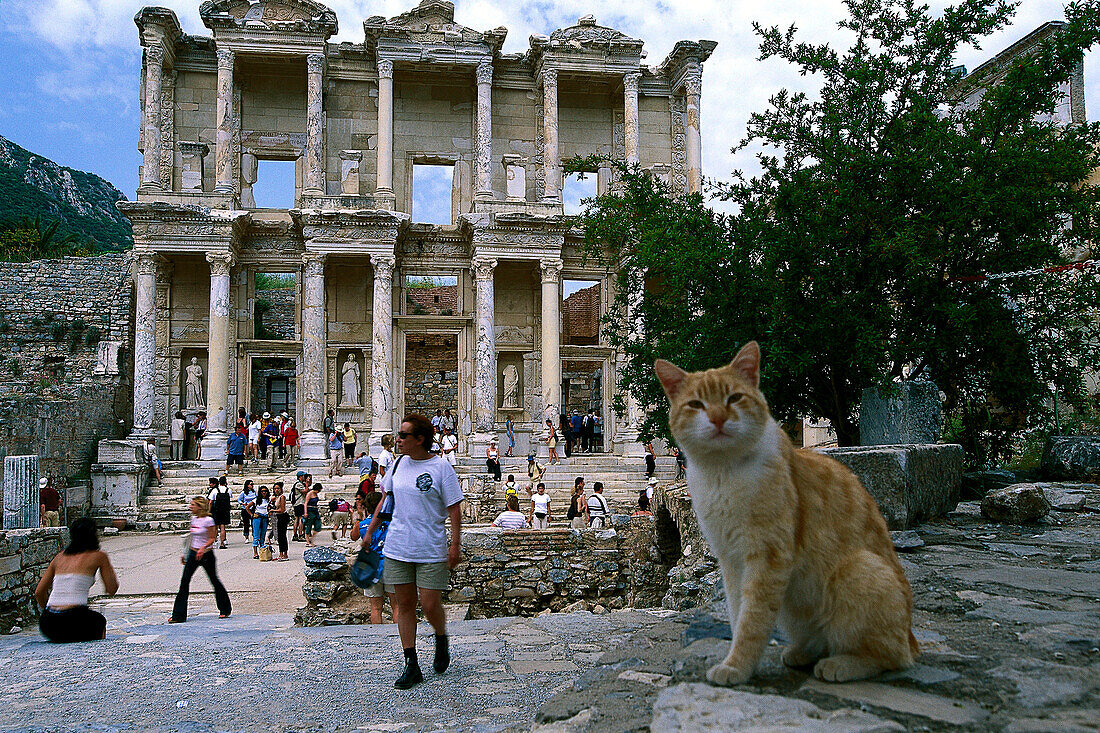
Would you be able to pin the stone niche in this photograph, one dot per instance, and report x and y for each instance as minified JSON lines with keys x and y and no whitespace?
{"x":510,"y":404}
{"x":350,"y":409}
{"x":186,"y":355}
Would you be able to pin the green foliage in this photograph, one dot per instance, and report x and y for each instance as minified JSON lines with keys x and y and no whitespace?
{"x":92,"y":336}
{"x":274,"y":281}
{"x":15,"y":367}
{"x":57,"y":330}
{"x":848,"y":255}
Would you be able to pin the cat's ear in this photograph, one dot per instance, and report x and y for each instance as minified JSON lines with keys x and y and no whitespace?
{"x":747,"y":363}
{"x":671,"y":376}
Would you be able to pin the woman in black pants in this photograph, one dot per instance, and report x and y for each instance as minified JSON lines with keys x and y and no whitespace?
{"x":282,"y":519}
{"x":200,"y":552}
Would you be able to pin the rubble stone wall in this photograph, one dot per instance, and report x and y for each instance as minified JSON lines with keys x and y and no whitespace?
{"x":24,"y":556}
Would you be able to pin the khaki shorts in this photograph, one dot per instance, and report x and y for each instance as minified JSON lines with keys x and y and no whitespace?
{"x":51,"y":519}
{"x":376,"y":590}
{"x":428,"y":575}
{"x":340,"y":519}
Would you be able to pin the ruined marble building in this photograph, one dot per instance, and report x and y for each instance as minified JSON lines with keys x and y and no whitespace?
{"x":366,"y":290}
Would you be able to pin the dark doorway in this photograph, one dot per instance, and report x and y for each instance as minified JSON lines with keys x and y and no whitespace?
{"x":273,"y":386}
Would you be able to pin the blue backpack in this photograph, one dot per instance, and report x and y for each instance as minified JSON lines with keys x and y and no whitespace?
{"x":367,"y":568}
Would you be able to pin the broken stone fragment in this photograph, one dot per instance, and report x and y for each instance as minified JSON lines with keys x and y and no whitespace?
{"x":1016,"y":504}
{"x":906,"y":540}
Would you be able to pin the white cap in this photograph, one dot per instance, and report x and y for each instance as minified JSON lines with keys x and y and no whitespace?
{"x":267,"y":415}
{"x":653,"y":480}
{"x":42,"y":482}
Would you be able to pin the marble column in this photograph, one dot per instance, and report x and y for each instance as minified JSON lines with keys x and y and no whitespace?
{"x":218,"y":355}
{"x":154,"y":72}
{"x":385,"y":129}
{"x":314,"y":341}
{"x":223,"y":152}
{"x":551,"y":340}
{"x":483,"y":183}
{"x":485,"y":349}
{"x":550,"y":155}
{"x":382,"y":349}
{"x":693,"y":89}
{"x":630,"y":115}
{"x":145,"y":341}
{"x":315,"y":137}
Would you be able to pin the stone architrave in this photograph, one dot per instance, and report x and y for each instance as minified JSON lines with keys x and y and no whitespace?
{"x":218,"y":350}
{"x":382,"y":349}
{"x":550,"y":162}
{"x":145,"y":340}
{"x":193,"y":167}
{"x":693,"y":90}
{"x":485,"y":357}
{"x":349,"y":171}
{"x":314,"y":343}
{"x":384,"y":187}
{"x":483,"y":184}
{"x":223,"y":154}
{"x":551,"y":339}
{"x":193,"y":397}
{"x":631,"y":80}
{"x":154,"y":74}
{"x":21,"y":492}
{"x":315,"y":147}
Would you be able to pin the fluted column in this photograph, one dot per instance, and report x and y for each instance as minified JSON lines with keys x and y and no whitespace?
{"x":693,"y":90}
{"x":485,"y":348}
{"x":223,"y":156}
{"x":154,"y":71}
{"x":314,"y":341}
{"x":145,"y":340}
{"x":551,"y":339}
{"x":218,"y":354}
{"x":550,"y":155}
{"x":630,"y":115}
{"x":483,"y":182}
{"x":385,"y":129}
{"x":315,"y":136}
{"x":382,"y":348}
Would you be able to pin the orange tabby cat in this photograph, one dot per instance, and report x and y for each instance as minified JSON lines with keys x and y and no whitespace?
{"x":799,"y":540}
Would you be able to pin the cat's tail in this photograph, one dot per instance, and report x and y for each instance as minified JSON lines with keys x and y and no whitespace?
{"x":914,"y":647}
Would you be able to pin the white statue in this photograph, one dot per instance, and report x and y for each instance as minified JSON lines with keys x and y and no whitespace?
{"x":193,"y":386}
{"x":350,"y":381}
{"x":511,"y":387}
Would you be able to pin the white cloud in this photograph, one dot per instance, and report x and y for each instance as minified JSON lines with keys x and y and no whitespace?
{"x":734,"y":85}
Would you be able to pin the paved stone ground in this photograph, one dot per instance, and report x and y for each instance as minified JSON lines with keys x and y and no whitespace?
{"x":1008,"y":618}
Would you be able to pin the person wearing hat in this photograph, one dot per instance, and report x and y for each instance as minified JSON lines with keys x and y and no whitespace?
{"x":535,"y":472}
{"x":49,"y":503}
{"x":492,"y":459}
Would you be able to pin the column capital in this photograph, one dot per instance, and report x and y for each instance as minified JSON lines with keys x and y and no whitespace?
{"x":155,"y":54}
{"x":551,"y":270}
{"x":631,"y":79}
{"x":484,"y":71}
{"x":220,"y":263}
{"x":315,"y":63}
{"x":484,"y":267}
{"x":313,"y":264}
{"x":225,"y":58}
{"x":145,"y":263}
{"x":693,"y":81}
{"x":383,"y":265}
{"x":385,"y":69}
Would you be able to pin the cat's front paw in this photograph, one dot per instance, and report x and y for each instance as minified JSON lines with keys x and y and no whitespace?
{"x":727,"y":676}
{"x":798,"y":657}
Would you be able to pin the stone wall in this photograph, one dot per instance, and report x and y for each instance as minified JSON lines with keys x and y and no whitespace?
{"x":276,"y":320}
{"x":64,"y":360}
{"x":24,"y":556}
{"x":431,"y":374}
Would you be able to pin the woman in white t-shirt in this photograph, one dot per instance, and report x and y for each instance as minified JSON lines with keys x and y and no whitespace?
{"x":385,"y":458}
{"x":254,"y":429}
{"x":200,"y":551}
{"x":540,"y":508}
{"x":512,"y":517}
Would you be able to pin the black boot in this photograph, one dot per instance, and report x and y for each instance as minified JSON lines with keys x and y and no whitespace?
{"x":411,"y":677}
{"x":442,"y":654}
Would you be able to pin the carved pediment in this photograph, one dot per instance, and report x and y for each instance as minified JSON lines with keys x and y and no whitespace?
{"x":304,"y":16}
{"x":431,"y":23}
{"x":586,"y":35}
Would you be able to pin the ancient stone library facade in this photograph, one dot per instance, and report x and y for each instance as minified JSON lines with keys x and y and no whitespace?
{"x":345,"y":301}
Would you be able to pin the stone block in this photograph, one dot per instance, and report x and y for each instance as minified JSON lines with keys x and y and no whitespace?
{"x":907,"y":413}
{"x":910,"y":483}
{"x":119,"y":451}
{"x":1016,"y":504}
{"x":20,"y":492}
{"x":1072,"y":458}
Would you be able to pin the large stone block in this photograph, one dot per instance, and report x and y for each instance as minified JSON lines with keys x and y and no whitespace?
{"x":905,"y":414}
{"x":120,"y":451}
{"x":1072,"y":458}
{"x":20,"y":492}
{"x":910,"y":483}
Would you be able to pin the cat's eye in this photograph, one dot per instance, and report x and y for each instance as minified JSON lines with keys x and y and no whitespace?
{"x":695,"y":404}
{"x":735,"y":397}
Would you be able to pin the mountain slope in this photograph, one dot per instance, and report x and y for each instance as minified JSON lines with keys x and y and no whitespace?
{"x":32,"y":186}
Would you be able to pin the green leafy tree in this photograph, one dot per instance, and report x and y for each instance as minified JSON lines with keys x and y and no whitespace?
{"x":851,"y":256}
{"x":31,"y":239}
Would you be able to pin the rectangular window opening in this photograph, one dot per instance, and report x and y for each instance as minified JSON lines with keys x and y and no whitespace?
{"x":274,"y":186}
{"x":580,"y":312}
{"x":274,"y":308}
{"x":432,"y":190}
{"x":427,"y":295}
{"x":575,"y":189}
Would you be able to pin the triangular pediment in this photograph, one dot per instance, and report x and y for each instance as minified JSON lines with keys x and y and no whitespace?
{"x":432,"y":22}
{"x":586,"y":33}
{"x":276,"y":15}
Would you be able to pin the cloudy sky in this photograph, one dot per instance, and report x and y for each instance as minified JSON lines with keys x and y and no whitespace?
{"x":69,"y":69}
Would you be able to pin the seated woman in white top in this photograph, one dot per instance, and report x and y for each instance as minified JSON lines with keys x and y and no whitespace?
{"x":511,"y":518}
{"x":63,"y":591}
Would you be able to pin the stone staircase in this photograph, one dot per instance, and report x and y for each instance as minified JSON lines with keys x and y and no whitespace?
{"x":164,"y":507}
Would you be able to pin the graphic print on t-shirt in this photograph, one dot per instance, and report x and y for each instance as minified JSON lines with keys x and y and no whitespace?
{"x":424,"y":482}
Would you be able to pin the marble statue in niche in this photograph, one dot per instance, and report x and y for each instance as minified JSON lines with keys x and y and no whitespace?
{"x":511,"y":387}
{"x":350,"y":380}
{"x":193,"y":386}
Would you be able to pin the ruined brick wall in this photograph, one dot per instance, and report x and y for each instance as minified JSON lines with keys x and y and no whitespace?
{"x":431,"y":373}
{"x":581,"y":317}
{"x":440,"y":300}
{"x":65,"y":356}
{"x":275,"y":314}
